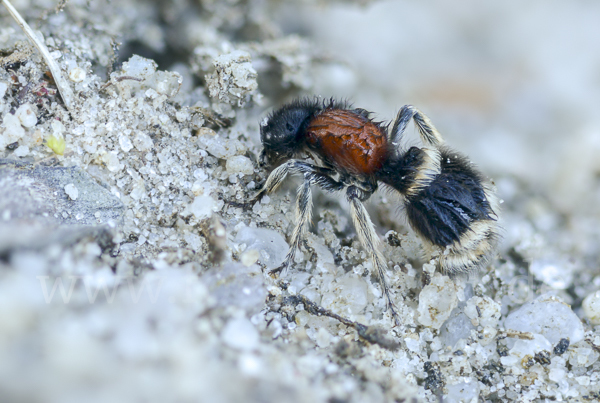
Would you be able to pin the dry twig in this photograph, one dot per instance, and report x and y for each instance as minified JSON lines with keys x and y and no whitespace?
{"x":62,"y":85}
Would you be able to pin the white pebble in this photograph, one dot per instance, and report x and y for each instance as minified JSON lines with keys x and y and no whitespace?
{"x":240,"y":334}
{"x":436,"y":302}
{"x":182,"y":116}
{"x":583,"y":380}
{"x":591,"y":307}
{"x":239,"y":164}
{"x":143,"y":142}
{"x":548,"y":316}
{"x":462,"y":392}
{"x":26,"y":115}
{"x":125,"y":143}
{"x":582,"y":356}
{"x":557,"y":274}
{"x":3,"y":88}
{"x":13,"y":133}
{"x":488,"y":313}
{"x":71,"y":191}
{"x":202,"y":207}
{"x":138,"y":191}
{"x":193,"y":241}
{"x":323,"y":338}
{"x":112,"y":162}
{"x":249,"y":257}
{"x":22,"y":151}
{"x":270,"y":245}
{"x":198,"y":188}
{"x":77,"y":74}
{"x":556,"y":374}
{"x":527,"y":348}
{"x":57,"y":127}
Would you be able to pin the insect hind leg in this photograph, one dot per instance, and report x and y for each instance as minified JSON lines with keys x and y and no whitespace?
{"x":429,"y":134}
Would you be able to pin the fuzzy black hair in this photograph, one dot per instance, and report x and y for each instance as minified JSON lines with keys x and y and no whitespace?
{"x":443,"y":211}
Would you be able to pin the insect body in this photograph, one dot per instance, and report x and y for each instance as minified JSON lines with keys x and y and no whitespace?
{"x":447,"y":201}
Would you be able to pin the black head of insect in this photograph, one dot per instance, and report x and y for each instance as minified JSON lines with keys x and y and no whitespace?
{"x":281,"y":133}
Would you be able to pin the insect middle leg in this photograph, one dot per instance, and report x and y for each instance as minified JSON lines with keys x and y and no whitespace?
{"x":370,"y":241}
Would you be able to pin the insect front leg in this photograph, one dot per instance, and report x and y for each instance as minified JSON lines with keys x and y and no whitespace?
{"x":303,"y":216}
{"x":312,"y":175}
{"x":275,"y":179}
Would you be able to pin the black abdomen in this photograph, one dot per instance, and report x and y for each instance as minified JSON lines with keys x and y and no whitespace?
{"x":445,"y":210}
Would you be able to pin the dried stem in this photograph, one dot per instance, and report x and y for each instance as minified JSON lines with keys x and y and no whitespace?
{"x":368,"y":333}
{"x":63,"y":87}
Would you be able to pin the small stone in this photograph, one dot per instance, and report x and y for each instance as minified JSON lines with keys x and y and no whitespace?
{"x":561,"y":347}
{"x":556,"y":374}
{"x":22,"y":151}
{"x":412,"y":344}
{"x":194,"y":241}
{"x":112,"y":162}
{"x":198,"y":188}
{"x":436,"y":301}
{"x":462,"y":392}
{"x":27,"y":115}
{"x":524,"y":351}
{"x":323,"y":338}
{"x":234,"y":79}
{"x":3,"y":88}
{"x":206,"y":131}
{"x":14,"y":131}
{"x":557,"y":274}
{"x":240,"y":334}
{"x":143,"y":142}
{"x":270,"y":245}
{"x":583,"y":380}
{"x":582,"y":357}
{"x":249,"y":257}
{"x":483,"y":311}
{"x":548,"y":316}
{"x":487,"y":335}
{"x":458,"y":326}
{"x":125,"y":143}
{"x":240,"y":164}
{"x":77,"y":74}
{"x":202,"y":207}
{"x":138,"y":191}
{"x":57,"y":127}
{"x":591,"y":307}
{"x":139,"y":67}
{"x":182,"y":116}
{"x":166,"y":82}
